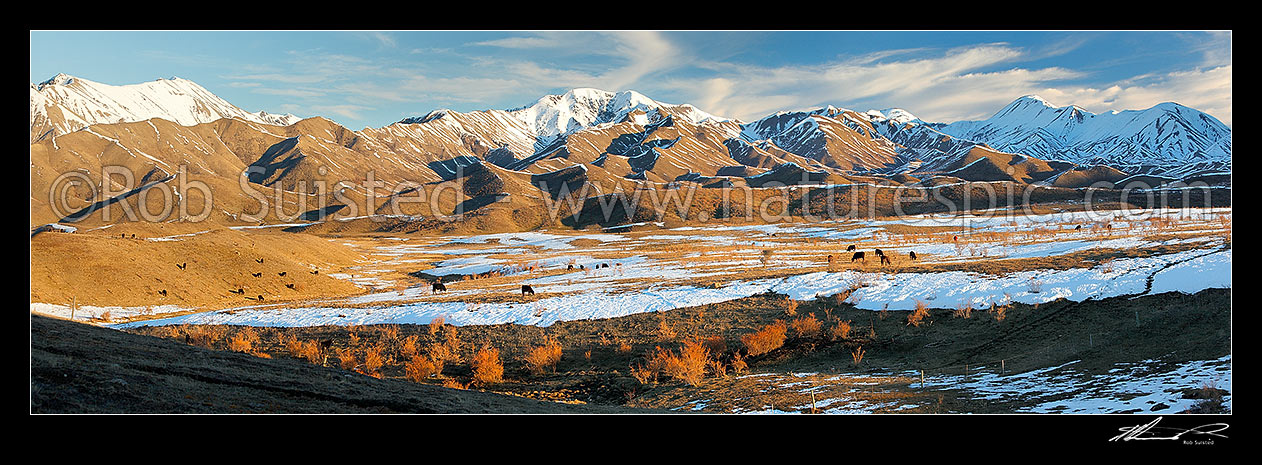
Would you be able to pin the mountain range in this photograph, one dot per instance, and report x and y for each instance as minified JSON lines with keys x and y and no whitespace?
{"x":617,"y":138}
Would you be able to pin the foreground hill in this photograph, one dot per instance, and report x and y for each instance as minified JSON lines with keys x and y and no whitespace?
{"x":79,"y":368}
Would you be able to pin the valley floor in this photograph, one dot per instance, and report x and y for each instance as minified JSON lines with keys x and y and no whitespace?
{"x":1059,"y":312}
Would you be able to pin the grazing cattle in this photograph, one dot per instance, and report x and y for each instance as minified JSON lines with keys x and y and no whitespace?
{"x":581,"y":267}
{"x":239,"y":291}
{"x":1078,"y":228}
{"x":258,"y":260}
{"x":830,"y":259}
{"x":260,"y":297}
{"x":851,"y":248}
{"x":569,"y":268}
{"x":257,"y":274}
{"x":291,"y":286}
{"x":122,"y":236}
{"x":856,"y":256}
{"x":315,"y":271}
{"x":439,"y":287}
{"x":182,"y":265}
{"x":955,"y":238}
{"x":879,"y":253}
{"x":133,"y":236}
{"x":162,"y":293}
{"x":912,"y":255}
{"x":885,"y":260}
{"x":526,"y":289}
{"x":281,"y":273}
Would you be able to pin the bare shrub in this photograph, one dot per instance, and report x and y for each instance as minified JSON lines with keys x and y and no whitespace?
{"x":963,"y":310}
{"x":374,"y":358}
{"x":857,"y":355}
{"x":664,"y":331}
{"x":436,"y":324}
{"x":999,"y":311}
{"x":805,"y":327}
{"x":767,"y":339}
{"x":240,"y":342}
{"x":738,"y":364}
{"x":420,"y":367}
{"x":624,"y":348}
{"x":487,"y":368}
{"x":346,"y":359}
{"x":917,"y":316}
{"x":840,"y":330}
{"x":790,"y":307}
{"x":543,"y":357}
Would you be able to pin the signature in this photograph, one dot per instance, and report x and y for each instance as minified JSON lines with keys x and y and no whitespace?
{"x":1147,"y":432}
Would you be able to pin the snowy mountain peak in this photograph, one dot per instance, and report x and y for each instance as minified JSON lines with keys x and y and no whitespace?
{"x":80,"y":103}
{"x":61,"y":79}
{"x":895,"y":115}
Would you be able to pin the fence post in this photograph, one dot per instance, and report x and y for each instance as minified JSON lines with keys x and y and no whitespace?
{"x":1003,"y":366}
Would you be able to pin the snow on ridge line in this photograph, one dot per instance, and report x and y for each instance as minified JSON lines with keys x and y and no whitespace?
{"x":895,"y":291}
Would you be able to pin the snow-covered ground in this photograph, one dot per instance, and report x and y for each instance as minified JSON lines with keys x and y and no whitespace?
{"x":893,"y":291}
{"x":1142,"y":386}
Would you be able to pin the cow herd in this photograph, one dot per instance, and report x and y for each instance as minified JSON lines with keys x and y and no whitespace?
{"x":861,"y":256}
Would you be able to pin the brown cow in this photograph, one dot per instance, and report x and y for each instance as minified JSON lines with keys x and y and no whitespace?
{"x":885,"y":260}
{"x":438,"y":287}
{"x":857,"y":256}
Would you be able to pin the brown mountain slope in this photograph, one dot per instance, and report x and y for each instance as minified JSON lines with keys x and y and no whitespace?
{"x":79,"y":368}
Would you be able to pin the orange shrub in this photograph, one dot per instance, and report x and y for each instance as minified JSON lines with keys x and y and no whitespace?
{"x":917,"y":316}
{"x":346,"y":359}
{"x":767,"y":339}
{"x":436,"y":324}
{"x":487,"y":368}
{"x":409,"y":346}
{"x":544,"y":356}
{"x":738,"y":364}
{"x":240,"y":343}
{"x":790,"y":306}
{"x":420,"y":367}
{"x":805,"y":327}
{"x":373,"y":358}
{"x":840,"y":330}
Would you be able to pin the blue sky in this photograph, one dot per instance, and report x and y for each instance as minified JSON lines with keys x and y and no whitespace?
{"x":375,"y":78}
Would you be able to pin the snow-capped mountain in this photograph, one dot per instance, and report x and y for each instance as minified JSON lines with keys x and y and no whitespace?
{"x":1167,"y":139}
{"x":577,"y":109}
{"x":66,"y":104}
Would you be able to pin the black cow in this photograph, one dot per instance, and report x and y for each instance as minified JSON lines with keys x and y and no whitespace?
{"x":879,"y":253}
{"x":857,"y":256}
{"x":238,"y":291}
{"x":258,"y":260}
{"x":851,"y":248}
{"x":182,"y":265}
{"x":162,"y":293}
{"x":569,"y":268}
{"x":912,"y":255}
{"x":260,"y":297}
{"x":439,"y":287}
{"x":281,"y":273}
{"x":257,"y":274}
{"x":885,"y":260}
{"x":526,"y":289}
{"x":291,"y":286}
{"x":1078,"y":228}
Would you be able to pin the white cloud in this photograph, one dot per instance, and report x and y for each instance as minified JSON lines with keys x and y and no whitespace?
{"x":1207,"y":90}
